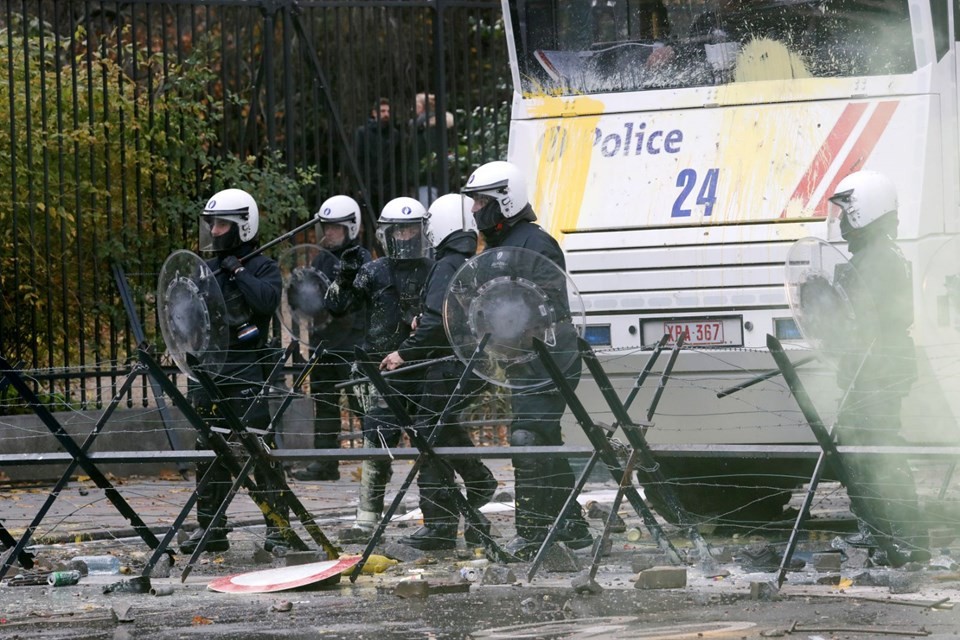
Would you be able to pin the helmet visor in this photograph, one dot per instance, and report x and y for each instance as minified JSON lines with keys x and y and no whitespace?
{"x":838,"y":212}
{"x":404,"y":240}
{"x":333,"y":235}
{"x":218,"y":234}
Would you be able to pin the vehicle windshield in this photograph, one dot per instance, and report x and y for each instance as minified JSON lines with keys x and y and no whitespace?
{"x":570,"y":47}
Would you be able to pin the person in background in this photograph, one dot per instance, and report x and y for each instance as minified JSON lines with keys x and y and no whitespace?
{"x":378,"y":148}
{"x":428,"y":148}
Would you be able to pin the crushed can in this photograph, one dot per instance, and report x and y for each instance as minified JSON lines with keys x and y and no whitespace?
{"x":63,"y":578}
{"x":470,"y":574}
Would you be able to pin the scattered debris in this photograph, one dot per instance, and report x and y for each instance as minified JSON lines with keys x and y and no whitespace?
{"x":283,"y":606}
{"x":643,"y":561}
{"x":764,"y":591}
{"x":438,"y":588}
{"x":662,"y":578}
{"x":262,"y":556}
{"x":497,"y":574}
{"x":28,"y":579}
{"x":63,"y":578}
{"x":160,"y":591}
{"x":414,"y":588}
{"x":873,"y":631}
{"x":597,"y":511}
{"x":585,"y":584}
{"x":402,"y":552}
{"x":294,"y":558}
{"x":559,"y":559}
{"x":904,"y":583}
{"x":122,"y":612}
{"x":827,"y":561}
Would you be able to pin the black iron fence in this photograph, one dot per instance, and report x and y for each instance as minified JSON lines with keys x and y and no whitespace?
{"x":121,"y":118}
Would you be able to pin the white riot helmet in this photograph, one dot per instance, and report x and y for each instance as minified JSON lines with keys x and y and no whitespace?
{"x":448,"y":214}
{"x":400,"y":229}
{"x":502,"y":181}
{"x":862,"y":198}
{"x":343,"y":211}
{"x":235,"y":206}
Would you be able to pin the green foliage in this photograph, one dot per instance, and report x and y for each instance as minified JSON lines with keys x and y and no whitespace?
{"x":485,"y":137}
{"x":278,"y":194}
{"x":12,"y":404}
{"x":120,"y":176}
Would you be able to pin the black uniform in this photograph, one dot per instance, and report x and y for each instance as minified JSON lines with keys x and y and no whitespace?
{"x":389,"y":291}
{"x":542,"y":485}
{"x":882,"y":298}
{"x":340,"y":337}
{"x":429,"y":341}
{"x":378,"y":148}
{"x":251,"y":297}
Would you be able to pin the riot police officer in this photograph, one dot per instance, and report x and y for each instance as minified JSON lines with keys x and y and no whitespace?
{"x":452,"y":232}
{"x":505,"y":217}
{"x":229,"y":226}
{"x":339,"y":226}
{"x":388,"y":289}
{"x":881,"y":370}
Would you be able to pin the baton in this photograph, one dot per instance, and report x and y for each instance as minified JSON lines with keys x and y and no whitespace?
{"x":273,"y":243}
{"x":773,"y":373}
{"x":397,"y":371}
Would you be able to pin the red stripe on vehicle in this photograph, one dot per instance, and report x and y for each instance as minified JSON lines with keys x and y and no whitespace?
{"x":827,"y":153}
{"x":861,"y":149}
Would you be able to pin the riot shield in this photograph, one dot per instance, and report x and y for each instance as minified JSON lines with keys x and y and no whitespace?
{"x":514,"y":295}
{"x":819,"y":281}
{"x":192,"y":313}
{"x":940,"y":313}
{"x":302,"y":310}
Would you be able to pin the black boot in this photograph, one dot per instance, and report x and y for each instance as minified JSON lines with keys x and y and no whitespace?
{"x":475,"y":534}
{"x":215,"y":543}
{"x":432,"y":537}
{"x":575,"y":533}
{"x":523,"y":548}
{"x":479,"y":482}
{"x":275,"y":542}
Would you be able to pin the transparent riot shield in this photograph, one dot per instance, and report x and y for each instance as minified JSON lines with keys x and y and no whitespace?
{"x":933,"y":408}
{"x":939,"y":315}
{"x":514,"y":295}
{"x":302,"y":310}
{"x":819,"y":282}
{"x":192,"y":313}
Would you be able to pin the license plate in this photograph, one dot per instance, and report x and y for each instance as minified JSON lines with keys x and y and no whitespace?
{"x":696,"y":332}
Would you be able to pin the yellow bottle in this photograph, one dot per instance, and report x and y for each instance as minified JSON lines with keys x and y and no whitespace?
{"x":374,"y":564}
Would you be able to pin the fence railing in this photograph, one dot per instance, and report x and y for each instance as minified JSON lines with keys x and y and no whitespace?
{"x":121,"y":118}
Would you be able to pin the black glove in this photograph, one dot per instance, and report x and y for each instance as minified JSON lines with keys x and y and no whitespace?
{"x":231,"y":264}
{"x":350,"y":263}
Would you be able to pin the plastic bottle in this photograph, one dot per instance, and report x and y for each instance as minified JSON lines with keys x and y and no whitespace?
{"x":100,"y":565}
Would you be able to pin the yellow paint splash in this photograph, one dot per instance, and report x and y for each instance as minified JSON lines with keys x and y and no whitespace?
{"x":763,"y":149}
{"x":563,"y":159}
{"x":766,"y":59}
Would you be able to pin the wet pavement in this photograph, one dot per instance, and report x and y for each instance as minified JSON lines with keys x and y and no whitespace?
{"x":831,"y":595}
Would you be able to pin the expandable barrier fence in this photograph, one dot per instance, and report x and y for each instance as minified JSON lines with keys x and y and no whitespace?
{"x":626,"y":456}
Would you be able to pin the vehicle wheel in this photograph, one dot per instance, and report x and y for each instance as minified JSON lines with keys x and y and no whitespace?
{"x":722,"y":492}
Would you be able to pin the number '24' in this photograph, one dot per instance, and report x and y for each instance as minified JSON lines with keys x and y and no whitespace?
{"x":706,"y":196}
